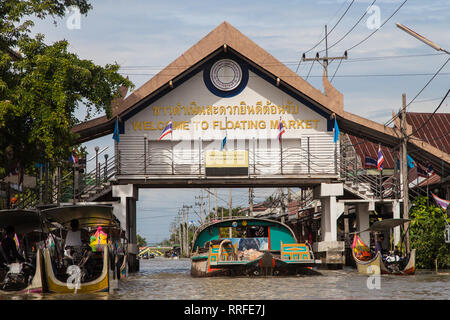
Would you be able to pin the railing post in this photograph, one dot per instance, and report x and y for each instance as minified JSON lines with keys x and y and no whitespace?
{"x":335,"y":159}
{"x":254,"y":156}
{"x":173,"y":164}
{"x":281,"y":156}
{"x":145,"y":154}
{"x":106,"y":168}
{"x":309,"y":158}
{"x":199,"y":155}
{"x":97,"y":172}
{"x":118,"y":162}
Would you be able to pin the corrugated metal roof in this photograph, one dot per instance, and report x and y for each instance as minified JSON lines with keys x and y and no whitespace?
{"x":435,"y":131}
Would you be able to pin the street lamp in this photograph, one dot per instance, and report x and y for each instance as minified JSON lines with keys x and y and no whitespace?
{"x":421,"y":38}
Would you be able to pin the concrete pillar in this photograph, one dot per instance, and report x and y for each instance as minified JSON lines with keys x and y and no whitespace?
{"x":362,"y":221}
{"x":330,"y":251}
{"x":396,"y":215}
{"x":125,"y":211}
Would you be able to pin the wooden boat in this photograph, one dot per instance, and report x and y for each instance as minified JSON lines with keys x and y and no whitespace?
{"x":27,"y":276}
{"x":107,"y":265}
{"x":257,"y":247}
{"x":376,"y":264}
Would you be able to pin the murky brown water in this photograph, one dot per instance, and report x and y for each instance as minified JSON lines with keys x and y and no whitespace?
{"x":167,"y":279}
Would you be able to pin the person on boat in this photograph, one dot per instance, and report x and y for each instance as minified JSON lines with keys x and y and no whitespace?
{"x":75,"y":238}
{"x":379,"y":244}
{"x":9,"y":247}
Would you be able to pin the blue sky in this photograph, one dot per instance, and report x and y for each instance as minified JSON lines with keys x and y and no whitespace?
{"x":145,"y":36}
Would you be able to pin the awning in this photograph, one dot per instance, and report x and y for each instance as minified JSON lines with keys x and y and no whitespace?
{"x":386,"y":224}
{"x":23,"y":221}
{"x":87,"y":215}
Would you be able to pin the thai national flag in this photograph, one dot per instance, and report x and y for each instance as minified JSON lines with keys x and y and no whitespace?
{"x":166,"y":131}
{"x":441,"y":202}
{"x":380,"y":159}
{"x":280,"y":130}
{"x":73,"y":157}
{"x":370,"y":162}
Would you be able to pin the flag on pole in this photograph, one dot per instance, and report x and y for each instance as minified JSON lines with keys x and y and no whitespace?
{"x":380,"y":159}
{"x":116,"y":132}
{"x":441,"y":202}
{"x":166,"y":131}
{"x":224,"y":142}
{"x":281,"y":130}
{"x":73,"y":157}
{"x":411,"y":163}
{"x":370,"y":162}
{"x":336,"y":131}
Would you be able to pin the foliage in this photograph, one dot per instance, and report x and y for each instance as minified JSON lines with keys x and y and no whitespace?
{"x":41,"y":88}
{"x":141,"y":241}
{"x":427,"y":235}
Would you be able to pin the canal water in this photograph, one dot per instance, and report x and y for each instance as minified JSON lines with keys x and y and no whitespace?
{"x":166,"y":279}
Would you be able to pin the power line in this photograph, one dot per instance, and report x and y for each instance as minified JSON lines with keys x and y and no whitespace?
{"x":431,"y":116}
{"x":327,"y":33}
{"x":362,"y":59}
{"x":335,"y":71}
{"x":377,"y":28}
{"x":341,"y":76}
{"x":352,"y":28}
{"x":426,"y":85}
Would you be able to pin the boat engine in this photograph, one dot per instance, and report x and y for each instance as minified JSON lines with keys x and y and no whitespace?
{"x":18,"y":277}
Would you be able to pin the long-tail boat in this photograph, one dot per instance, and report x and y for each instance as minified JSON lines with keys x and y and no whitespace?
{"x":369,"y":263}
{"x":25,"y":275}
{"x":99,"y":265}
{"x":249,"y":246}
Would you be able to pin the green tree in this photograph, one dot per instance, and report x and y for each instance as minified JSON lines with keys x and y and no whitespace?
{"x":42,"y":86}
{"x":141,"y":241}
{"x":427,"y":235}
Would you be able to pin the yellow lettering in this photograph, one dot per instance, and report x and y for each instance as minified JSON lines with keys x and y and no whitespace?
{"x":137,"y":125}
{"x":308,"y":124}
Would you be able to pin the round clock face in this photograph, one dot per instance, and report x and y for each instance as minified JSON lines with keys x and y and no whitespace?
{"x":226,"y":75}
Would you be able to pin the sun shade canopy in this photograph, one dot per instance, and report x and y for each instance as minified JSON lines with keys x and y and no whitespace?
{"x":87,"y":215}
{"x":386,"y":224}
{"x":23,"y":221}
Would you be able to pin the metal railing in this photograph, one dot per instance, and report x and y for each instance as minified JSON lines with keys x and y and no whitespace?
{"x":166,"y":161}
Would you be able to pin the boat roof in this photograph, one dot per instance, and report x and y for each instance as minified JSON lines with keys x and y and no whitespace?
{"x":386,"y":224}
{"x":250,"y":221}
{"x":24,"y":221}
{"x":90,"y":215}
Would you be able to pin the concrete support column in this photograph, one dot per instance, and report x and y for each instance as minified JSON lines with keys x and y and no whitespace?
{"x":329,"y":250}
{"x":362,"y":221}
{"x":125,"y":211}
{"x":396,"y":215}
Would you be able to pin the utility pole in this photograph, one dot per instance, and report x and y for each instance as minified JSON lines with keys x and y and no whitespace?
{"x":404,"y":164}
{"x":200,"y":203}
{"x":186,"y":228}
{"x":325,"y":59}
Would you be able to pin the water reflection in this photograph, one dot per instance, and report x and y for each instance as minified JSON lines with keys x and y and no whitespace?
{"x":162,"y":278}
